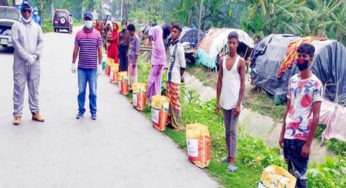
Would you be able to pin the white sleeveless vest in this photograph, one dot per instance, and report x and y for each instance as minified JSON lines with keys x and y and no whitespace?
{"x":230,"y":85}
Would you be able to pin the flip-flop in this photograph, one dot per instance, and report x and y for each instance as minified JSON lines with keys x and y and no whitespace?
{"x":223,"y":160}
{"x":232,"y":168}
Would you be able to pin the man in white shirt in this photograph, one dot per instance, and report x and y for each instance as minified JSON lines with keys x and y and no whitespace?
{"x":175,"y":77}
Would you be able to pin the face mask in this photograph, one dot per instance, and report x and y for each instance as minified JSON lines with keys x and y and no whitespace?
{"x":302,"y":64}
{"x":36,"y":13}
{"x":27,"y":20}
{"x":88,"y":24}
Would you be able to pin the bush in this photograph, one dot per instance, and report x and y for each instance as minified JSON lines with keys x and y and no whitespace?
{"x":47,"y":27}
{"x":337,"y":146}
{"x":332,"y":173}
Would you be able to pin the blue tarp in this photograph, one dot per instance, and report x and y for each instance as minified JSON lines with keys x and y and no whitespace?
{"x":191,"y":36}
{"x":329,"y":66}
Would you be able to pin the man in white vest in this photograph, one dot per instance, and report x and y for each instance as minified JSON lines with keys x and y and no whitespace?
{"x":231,"y":86}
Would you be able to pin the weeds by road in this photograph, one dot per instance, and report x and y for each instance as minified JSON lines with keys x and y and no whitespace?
{"x":253,"y":155}
{"x":260,"y":101}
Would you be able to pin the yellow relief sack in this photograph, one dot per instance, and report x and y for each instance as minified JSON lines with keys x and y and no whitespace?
{"x":276,"y":177}
{"x":198,"y":144}
{"x":123,"y":84}
{"x":159,"y":111}
{"x":109,"y":61}
{"x":139,"y":95}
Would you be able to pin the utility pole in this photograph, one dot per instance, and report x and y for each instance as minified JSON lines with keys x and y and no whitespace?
{"x":199,"y":21}
{"x":121,"y":11}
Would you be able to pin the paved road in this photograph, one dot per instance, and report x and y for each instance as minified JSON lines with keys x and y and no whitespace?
{"x":120,"y":149}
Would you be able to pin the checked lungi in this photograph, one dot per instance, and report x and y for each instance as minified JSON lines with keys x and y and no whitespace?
{"x":174,"y":113}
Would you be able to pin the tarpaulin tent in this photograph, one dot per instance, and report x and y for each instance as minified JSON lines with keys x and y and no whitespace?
{"x":191,"y":36}
{"x":189,"y":39}
{"x":329,"y":66}
{"x":215,"y":41}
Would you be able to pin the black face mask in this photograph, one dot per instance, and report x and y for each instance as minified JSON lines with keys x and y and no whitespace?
{"x":302,"y":64}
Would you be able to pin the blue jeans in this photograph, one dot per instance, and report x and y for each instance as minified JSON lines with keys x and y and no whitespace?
{"x":84,"y":76}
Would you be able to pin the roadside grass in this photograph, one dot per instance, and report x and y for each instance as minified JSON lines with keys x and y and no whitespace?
{"x":337,"y":146}
{"x":47,"y":26}
{"x":258,"y":100}
{"x":252,"y":155}
{"x":254,"y":99}
{"x":250,"y":163}
{"x":208,"y":78}
{"x":77,"y":23}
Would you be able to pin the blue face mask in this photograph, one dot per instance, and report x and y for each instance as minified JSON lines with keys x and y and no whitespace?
{"x":88,"y":24}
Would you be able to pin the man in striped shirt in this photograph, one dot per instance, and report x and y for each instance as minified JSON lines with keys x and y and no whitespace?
{"x":88,"y":43}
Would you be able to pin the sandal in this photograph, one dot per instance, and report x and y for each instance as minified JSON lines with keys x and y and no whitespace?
{"x":232,"y":168}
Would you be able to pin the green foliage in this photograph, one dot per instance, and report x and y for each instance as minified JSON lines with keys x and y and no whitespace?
{"x":253,"y":155}
{"x":332,"y":173}
{"x":47,"y":27}
{"x":299,"y":17}
{"x":262,"y":103}
{"x":146,"y":11}
{"x":337,"y":146}
{"x":143,"y":69}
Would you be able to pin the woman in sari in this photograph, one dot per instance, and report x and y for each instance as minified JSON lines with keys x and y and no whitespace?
{"x":98,"y":26}
{"x":113,"y":40}
{"x":158,"y":60}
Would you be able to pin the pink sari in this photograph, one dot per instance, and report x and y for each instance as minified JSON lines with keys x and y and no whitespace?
{"x":158,"y":60}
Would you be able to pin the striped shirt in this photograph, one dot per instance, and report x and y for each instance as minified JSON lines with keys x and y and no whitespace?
{"x":88,"y":44}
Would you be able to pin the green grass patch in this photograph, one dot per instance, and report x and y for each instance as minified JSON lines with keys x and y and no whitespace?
{"x":47,"y":26}
{"x":252,"y":155}
{"x":208,"y":78}
{"x":77,"y":23}
{"x":259,"y":101}
{"x":337,"y":146}
{"x":332,"y":173}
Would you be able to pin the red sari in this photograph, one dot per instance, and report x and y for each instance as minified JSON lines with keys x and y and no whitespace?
{"x":113,"y":48}
{"x":98,"y":27}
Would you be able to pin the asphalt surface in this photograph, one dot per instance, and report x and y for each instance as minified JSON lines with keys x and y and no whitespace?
{"x":119,"y":149}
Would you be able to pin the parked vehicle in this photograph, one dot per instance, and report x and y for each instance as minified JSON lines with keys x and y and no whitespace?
{"x":62,"y":20}
{"x":8,"y":16}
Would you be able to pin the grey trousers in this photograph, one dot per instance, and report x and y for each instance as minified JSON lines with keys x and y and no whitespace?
{"x":231,"y":129}
{"x":25,"y":74}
